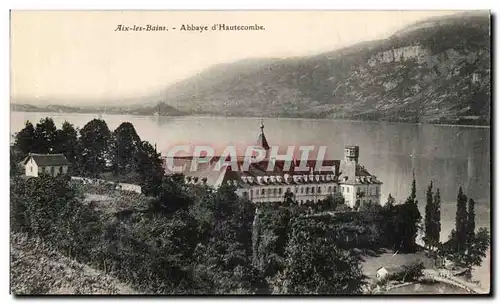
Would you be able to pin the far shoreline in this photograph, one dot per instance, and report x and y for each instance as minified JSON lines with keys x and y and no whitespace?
{"x":257,"y":118}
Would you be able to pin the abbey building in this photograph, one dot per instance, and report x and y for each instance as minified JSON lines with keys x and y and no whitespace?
{"x":264,"y":182}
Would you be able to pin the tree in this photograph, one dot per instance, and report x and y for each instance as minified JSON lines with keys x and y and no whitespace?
{"x":461,"y":221}
{"x":93,"y":148}
{"x":436,"y":237}
{"x":406,"y":222}
{"x":25,"y":140}
{"x":45,"y":136}
{"x":224,"y":259}
{"x":149,"y":169}
{"x":315,"y":265}
{"x":471,"y":221}
{"x":271,"y":229}
{"x":412,"y":199}
{"x":331,"y":202}
{"x":429,"y":217}
{"x":476,"y":251}
{"x":67,"y":142}
{"x":126,"y":144}
{"x":390,"y":201}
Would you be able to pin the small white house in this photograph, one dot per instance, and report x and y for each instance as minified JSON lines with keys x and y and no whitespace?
{"x":382,"y":273}
{"x":52,"y":164}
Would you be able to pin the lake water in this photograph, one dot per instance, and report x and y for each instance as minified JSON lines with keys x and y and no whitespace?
{"x":450,"y":156}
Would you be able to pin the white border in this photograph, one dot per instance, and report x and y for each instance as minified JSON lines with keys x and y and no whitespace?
{"x":198,"y":5}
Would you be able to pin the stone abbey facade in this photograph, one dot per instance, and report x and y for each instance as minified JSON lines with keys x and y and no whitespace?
{"x":260,"y":184}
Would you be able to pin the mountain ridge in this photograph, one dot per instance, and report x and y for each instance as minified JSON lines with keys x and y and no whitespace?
{"x":439,"y":73}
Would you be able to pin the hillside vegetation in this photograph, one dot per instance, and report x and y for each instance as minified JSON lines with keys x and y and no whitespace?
{"x":38,"y":269}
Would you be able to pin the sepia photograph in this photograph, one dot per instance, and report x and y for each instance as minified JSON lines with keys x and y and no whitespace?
{"x":306,"y":152}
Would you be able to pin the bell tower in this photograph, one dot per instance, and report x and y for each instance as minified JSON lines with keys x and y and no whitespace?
{"x":351,"y":153}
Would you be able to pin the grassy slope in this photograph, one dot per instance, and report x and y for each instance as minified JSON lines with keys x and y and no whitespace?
{"x":37,"y":269}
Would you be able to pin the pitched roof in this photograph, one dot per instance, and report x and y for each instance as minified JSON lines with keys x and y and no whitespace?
{"x":48,"y":159}
{"x":213,"y":174}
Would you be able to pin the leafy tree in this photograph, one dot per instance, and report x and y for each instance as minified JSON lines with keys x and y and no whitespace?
{"x":149,"y":169}
{"x":406,"y":222}
{"x":271,"y":228}
{"x":476,"y":251}
{"x":390,"y":201}
{"x":67,"y":142}
{"x":45,"y":137}
{"x":93,"y":148}
{"x":331,"y":202}
{"x":225,"y":259}
{"x":25,"y":141}
{"x":126,"y":144}
{"x":15,"y":167}
{"x":174,"y":195}
{"x":315,"y":265}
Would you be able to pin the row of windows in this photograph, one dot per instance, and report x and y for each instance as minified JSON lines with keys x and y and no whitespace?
{"x":371,"y":190}
{"x":302,"y":190}
{"x":52,"y":170}
{"x":278,"y":191}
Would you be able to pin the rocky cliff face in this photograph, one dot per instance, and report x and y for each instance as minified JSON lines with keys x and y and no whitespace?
{"x":436,"y":71}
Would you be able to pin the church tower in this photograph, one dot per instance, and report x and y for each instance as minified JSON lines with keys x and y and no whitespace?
{"x":262,"y":141}
{"x":351,"y":154}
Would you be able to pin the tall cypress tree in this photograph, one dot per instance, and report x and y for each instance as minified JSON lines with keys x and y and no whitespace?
{"x":437,"y":218}
{"x":429,"y":218}
{"x":413,"y":194}
{"x":461,"y":221}
{"x":471,"y":222}
{"x":407,"y":221}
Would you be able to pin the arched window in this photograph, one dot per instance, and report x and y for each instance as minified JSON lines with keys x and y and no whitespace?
{"x":288,"y":190}
{"x":347,"y":189}
{"x":334,"y":189}
{"x":279,"y":191}
{"x":301,"y":189}
{"x":275,"y":191}
{"x":269,"y":192}
{"x":319,"y":189}
{"x":263,"y":191}
{"x":312,"y":189}
{"x":329,"y":189}
{"x":307,"y":190}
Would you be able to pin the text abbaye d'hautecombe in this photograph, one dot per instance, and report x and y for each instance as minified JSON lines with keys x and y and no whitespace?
{"x":189,"y":28}
{"x":221,"y":27}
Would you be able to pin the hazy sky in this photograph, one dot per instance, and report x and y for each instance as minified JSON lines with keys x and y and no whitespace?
{"x":80,"y":55}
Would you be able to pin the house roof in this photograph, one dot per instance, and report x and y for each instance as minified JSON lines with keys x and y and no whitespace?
{"x":47,"y":159}
{"x":280,"y":173}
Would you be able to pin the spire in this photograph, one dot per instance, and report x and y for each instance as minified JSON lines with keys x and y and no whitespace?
{"x":262,"y":141}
